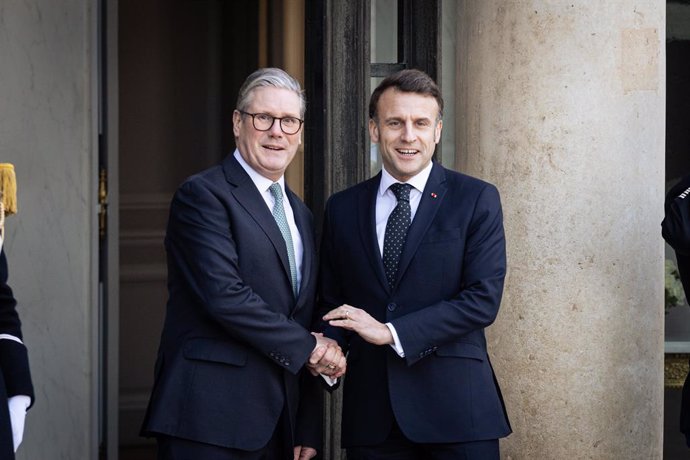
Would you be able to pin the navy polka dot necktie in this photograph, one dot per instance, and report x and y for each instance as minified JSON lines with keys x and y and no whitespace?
{"x":396,"y":231}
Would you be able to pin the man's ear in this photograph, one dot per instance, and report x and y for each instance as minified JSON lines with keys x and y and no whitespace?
{"x":236,"y":120}
{"x":437,"y":134}
{"x":373,"y":131}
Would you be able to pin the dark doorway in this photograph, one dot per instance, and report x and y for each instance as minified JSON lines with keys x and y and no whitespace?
{"x":677,"y":327}
{"x":180,"y":65}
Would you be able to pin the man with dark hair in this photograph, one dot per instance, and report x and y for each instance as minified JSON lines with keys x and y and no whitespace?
{"x":412,"y":269}
{"x":675,"y":229}
{"x":230,"y":379}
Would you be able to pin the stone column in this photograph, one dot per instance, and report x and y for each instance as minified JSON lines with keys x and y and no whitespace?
{"x":561,"y":105}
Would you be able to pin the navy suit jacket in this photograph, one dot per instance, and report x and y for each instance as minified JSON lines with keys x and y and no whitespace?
{"x":448,"y":289}
{"x":235,"y":339}
{"x":15,"y":376}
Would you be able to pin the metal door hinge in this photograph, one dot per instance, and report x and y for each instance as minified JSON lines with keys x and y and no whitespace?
{"x":102,"y":202}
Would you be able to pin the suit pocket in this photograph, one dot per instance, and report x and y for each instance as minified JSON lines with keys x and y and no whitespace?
{"x":217,"y":351}
{"x":441,"y":235}
{"x":462,"y":350}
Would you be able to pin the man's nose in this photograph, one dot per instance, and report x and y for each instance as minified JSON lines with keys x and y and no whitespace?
{"x":409,"y":134}
{"x":275,"y":129}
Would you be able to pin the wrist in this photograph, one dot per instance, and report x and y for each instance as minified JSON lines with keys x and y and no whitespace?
{"x":386,"y":335}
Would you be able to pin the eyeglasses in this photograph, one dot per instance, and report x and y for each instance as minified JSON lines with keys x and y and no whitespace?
{"x":264,"y":122}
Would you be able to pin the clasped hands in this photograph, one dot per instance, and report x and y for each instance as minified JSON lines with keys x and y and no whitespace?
{"x":327,"y":358}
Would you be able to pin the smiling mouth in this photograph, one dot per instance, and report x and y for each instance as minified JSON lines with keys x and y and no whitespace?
{"x":273,"y":147}
{"x":406,"y":152}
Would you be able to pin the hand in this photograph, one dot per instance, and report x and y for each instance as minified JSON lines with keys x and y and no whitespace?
{"x":304,"y":452}
{"x":327,"y":358}
{"x":361,"y":322}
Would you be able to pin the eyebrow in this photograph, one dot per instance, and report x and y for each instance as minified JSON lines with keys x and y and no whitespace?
{"x":265,"y":112}
{"x":401,"y":119}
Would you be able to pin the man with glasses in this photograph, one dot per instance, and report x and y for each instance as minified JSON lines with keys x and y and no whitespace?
{"x":231,"y":378}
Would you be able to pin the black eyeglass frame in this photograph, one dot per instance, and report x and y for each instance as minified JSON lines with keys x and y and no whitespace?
{"x":273,"y":120}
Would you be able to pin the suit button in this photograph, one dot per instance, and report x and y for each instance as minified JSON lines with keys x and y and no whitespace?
{"x":392,"y":307}
{"x":287,"y":363}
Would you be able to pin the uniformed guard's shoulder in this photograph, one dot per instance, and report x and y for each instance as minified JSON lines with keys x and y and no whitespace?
{"x":681,"y":191}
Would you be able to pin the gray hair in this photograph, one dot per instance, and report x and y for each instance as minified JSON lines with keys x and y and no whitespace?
{"x":270,"y":76}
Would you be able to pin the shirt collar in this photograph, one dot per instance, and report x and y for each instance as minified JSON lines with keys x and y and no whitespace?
{"x":418,"y":181}
{"x":262,"y":183}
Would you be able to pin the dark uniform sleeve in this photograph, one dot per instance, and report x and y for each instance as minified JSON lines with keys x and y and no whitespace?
{"x":14,"y":360}
{"x":675,"y":229}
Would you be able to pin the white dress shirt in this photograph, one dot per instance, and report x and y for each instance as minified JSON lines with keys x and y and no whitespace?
{"x":385,"y":203}
{"x":262,"y":184}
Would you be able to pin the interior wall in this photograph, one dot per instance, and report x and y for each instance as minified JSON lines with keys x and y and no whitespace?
{"x":48,"y":126}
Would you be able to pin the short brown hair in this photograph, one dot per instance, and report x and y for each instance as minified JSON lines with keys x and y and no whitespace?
{"x":407,"y":81}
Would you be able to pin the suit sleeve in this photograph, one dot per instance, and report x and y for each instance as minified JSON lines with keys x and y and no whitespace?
{"x":14,"y":359}
{"x":476,"y":304}
{"x":200,"y":241}
{"x":309,"y":430}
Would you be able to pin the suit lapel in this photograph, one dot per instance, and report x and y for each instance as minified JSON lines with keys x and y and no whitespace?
{"x":432,"y":197}
{"x":367,"y":227}
{"x":247,"y":195}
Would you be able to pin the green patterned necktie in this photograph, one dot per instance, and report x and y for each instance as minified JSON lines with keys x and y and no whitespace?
{"x":281,"y":220}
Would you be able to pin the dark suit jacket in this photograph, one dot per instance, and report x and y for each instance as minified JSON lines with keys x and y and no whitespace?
{"x":449,"y":286}
{"x":235,"y":339}
{"x":15,"y":377}
{"x":675,"y":229}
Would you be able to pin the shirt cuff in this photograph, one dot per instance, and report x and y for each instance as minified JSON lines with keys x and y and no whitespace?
{"x":396,"y":341}
{"x":11,"y":337}
{"x":19,"y":402}
{"x":329,"y":380}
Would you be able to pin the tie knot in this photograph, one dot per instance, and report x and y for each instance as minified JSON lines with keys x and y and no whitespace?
{"x":401,"y":191}
{"x":276,"y":191}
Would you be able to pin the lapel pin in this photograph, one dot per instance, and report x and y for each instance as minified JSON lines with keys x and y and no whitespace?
{"x":433,"y":195}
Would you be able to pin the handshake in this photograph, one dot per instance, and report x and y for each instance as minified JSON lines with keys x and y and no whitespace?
{"x":327,"y":358}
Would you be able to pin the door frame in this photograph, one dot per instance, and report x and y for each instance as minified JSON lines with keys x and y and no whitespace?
{"x":109,"y":261}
